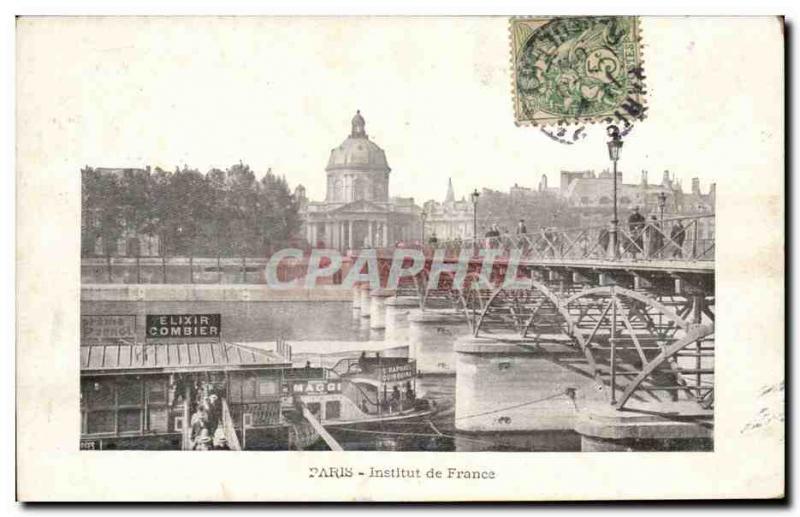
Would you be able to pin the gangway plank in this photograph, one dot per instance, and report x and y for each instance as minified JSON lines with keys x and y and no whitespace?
{"x":325,"y":435}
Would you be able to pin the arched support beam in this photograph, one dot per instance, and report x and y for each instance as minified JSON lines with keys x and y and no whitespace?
{"x":694,"y":334}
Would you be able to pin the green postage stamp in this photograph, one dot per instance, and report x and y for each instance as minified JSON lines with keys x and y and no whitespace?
{"x":577,"y":70}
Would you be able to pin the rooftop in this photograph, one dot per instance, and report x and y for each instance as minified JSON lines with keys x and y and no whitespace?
{"x":169,"y":357}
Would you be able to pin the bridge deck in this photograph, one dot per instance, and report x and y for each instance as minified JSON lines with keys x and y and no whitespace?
{"x":655,"y":265}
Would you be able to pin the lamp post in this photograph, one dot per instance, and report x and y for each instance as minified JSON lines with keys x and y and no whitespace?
{"x":614,"y":145}
{"x":662,"y":202}
{"x":424,"y":217}
{"x":474,"y":197}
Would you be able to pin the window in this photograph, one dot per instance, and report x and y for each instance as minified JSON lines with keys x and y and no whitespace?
{"x":100,"y":422}
{"x":157,"y":391}
{"x":248,"y":389}
{"x":100,"y":394}
{"x":124,"y":405}
{"x":129,"y":420}
{"x":267,"y":388}
{"x":314,"y":407}
{"x":158,"y":420}
{"x":129,"y":393}
{"x":332,"y":409}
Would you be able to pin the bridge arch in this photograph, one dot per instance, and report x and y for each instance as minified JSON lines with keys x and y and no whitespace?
{"x":649,"y":346}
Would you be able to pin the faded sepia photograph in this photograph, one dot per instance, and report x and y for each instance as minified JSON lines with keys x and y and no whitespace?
{"x":408,"y":234}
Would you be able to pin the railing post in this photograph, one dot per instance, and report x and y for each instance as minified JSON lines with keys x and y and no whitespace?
{"x":191,"y":268}
{"x":138,"y":270}
{"x":694,"y":239}
{"x":219,"y":269}
{"x":108,"y":267}
{"x":244,"y":270}
{"x":164,"y":269}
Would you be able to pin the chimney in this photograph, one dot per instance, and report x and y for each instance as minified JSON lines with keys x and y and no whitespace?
{"x":712,"y":190}
{"x":696,"y":186}
{"x":665,"y":181}
{"x":644,"y":178}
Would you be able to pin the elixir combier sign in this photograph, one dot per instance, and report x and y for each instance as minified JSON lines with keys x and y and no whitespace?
{"x":183,"y":326}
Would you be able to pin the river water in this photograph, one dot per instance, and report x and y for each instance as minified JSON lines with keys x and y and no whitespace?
{"x":439,"y":433}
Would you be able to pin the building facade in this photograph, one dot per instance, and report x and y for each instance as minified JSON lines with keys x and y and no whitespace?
{"x":358,"y":211}
{"x":449,"y":219}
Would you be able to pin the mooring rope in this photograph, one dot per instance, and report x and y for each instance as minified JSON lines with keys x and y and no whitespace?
{"x":425,"y":435}
{"x":513,"y":407}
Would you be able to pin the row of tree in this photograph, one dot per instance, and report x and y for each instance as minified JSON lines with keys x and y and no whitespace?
{"x":221,"y":213}
{"x":539,"y":210}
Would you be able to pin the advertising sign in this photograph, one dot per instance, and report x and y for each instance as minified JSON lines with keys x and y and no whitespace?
{"x":183,"y":326}
{"x":102,"y":329}
{"x":312,"y":387}
{"x":396,"y":373}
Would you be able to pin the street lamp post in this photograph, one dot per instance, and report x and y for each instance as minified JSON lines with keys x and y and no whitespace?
{"x":614,"y":145}
{"x":474,"y":197}
{"x":424,"y":217}
{"x":662,"y":202}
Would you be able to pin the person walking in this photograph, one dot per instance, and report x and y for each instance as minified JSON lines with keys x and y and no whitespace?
{"x":677,"y":235}
{"x":522,"y":236}
{"x":636,"y":223}
{"x":655,"y":237}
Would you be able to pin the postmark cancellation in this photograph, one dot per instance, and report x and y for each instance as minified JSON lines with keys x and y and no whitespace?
{"x":575,"y":70}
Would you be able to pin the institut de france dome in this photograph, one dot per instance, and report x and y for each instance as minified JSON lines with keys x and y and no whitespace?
{"x":358,"y":211}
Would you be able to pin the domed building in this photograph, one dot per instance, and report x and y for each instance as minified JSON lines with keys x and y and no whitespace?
{"x":358,"y":211}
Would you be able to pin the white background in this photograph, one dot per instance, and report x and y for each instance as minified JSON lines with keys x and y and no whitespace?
{"x":7,"y":186}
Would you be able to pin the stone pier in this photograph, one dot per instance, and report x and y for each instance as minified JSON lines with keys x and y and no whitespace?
{"x":431,"y":336}
{"x":506,"y":383}
{"x":604,"y":428}
{"x":377,"y":308}
{"x":356,"y":299}
{"x":396,"y":318}
{"x":365,"y":303}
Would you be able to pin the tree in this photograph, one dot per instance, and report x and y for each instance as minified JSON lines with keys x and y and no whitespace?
{"x":277,"y":209}
{"x":101,"y":211}
{"x":221,"y":213}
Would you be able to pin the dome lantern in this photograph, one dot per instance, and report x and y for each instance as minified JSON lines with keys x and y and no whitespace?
{"x":358,"y":124}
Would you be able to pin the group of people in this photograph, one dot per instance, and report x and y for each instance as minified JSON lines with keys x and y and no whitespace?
{"x":397,"y":401}
{"x":207,"y":431}
{"x":650,"y":240}
{"x":644,"y":238}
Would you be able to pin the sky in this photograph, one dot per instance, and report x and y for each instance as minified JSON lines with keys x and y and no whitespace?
{"x":279,"y":93}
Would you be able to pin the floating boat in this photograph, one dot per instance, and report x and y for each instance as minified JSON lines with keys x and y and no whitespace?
{"x":148,"y":396}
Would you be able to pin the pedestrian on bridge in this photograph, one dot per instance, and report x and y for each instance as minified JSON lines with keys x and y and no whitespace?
{"x":655,"y":237}
{"x":677,"y":235}
{"x":522,"y":236}
{"x":636,"y":224}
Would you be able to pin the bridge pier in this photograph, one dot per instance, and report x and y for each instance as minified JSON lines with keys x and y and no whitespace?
{"x":397,"y":309}
{"x":365,"y":300}
{"x":377,"y":308}
{"x":507,"y":383}
{"x":356,"y":299}
{"x":605,"y":429}
{"x":431,"y":336}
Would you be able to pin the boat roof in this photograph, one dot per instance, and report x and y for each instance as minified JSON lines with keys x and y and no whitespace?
{"x":176,"y":357}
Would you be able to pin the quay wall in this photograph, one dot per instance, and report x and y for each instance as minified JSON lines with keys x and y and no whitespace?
{"x":248,"y":312}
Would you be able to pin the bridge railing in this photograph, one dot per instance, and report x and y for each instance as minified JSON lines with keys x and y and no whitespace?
{"x":675,"y":238}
